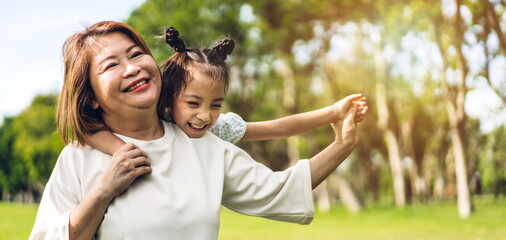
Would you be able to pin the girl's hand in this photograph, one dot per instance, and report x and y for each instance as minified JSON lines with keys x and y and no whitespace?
{"x":346,"y":128}
{"x":341,"y":107}
{"x":126,"y":165}
{"x":361,"y":109}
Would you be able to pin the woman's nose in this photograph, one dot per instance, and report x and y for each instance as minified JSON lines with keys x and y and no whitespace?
{"x":131,"y":70}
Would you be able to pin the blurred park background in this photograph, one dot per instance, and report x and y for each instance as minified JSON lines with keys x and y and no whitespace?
{"x":426,"y":146}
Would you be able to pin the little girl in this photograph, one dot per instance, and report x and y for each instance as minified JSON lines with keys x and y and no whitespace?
{"x":196,"y":81}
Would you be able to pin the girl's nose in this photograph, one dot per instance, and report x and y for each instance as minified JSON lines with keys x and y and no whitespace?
{"x":204,"y":116}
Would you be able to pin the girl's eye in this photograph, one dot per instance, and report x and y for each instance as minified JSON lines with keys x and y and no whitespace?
{"x":193,"y":104}
{"x":216,"y":105}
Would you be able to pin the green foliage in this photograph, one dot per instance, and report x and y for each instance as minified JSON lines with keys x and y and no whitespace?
{"x":13,"y":172}
{"x":37,"y":142}
{"x":200,"y":23}
{"x":29,"y":146}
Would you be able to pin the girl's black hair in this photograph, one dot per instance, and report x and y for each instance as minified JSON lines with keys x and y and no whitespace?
{"x":179,"y":69}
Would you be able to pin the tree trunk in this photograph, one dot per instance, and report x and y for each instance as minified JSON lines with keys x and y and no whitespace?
{"x":492,"y":18}
{"x":491,"y":22}
{"x":394,"y":155}
{"x":6,"y":196}
{"x":450,"y":187}
{"x":417,"y":183}
{"x":322,"y":197}
{"x":346,"y":193}
{"x":456,"y":113}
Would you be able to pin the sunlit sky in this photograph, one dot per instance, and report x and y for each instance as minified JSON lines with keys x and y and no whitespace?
{"x":33,"y":33}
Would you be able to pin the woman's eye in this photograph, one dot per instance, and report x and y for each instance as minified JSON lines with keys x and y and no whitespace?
{"x":109,"y":66}
{"x":135,"y":54}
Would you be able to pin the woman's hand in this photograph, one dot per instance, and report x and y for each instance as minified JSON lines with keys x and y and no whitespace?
{"x":128,"y":163}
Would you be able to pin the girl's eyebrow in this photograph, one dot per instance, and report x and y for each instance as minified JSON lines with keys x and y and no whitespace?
{"x":200,"y":98}
{"x":193,"y":96}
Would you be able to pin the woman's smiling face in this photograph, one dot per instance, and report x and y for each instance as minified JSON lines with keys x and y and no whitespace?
{"x":123,"y":76}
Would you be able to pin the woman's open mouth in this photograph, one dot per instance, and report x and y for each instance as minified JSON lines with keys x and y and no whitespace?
{"x":138,"y":86}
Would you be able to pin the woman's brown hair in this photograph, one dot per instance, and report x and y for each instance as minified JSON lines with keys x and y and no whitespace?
{"x":76,"y":119}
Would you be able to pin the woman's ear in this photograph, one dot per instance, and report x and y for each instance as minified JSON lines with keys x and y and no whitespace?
{"x":94,"y":104}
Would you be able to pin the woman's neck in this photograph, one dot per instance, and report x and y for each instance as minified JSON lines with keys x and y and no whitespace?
{"x":137,"y":126}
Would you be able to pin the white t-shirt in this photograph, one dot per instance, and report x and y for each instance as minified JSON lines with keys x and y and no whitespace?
{"x":181,"y":198}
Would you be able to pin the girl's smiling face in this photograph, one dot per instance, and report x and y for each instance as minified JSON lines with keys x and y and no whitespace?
{"x":123,"y":76}
{"x":198,"y":105}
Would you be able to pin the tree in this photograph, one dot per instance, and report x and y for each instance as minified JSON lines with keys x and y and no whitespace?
{"x":13,"y":171}
{"x":37,"y":144}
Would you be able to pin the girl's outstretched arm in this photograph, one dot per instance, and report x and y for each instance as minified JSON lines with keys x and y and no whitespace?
{"x":106,"y":142}
{"x":346,"y":139}
{"x":303,"y":122}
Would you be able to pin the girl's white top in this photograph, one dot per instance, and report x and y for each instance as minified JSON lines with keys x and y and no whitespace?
{"x":181,"y":198}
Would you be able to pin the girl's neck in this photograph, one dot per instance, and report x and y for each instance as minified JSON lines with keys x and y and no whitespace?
{"x":137,"y":126}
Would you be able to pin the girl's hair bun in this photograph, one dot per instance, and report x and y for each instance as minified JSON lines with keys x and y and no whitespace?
{"x":172,"y":38}
{"x":224,"y":48}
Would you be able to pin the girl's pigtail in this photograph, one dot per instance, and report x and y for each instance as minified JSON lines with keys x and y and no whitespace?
{"x":224,"y":48}
{"x":172,"y":38}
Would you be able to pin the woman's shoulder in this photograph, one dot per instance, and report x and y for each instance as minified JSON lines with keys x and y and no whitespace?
{"x":74,"y":147}
{"x":73,"y":153}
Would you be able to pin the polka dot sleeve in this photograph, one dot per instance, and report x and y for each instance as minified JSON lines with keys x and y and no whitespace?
{"x":229,"y":127}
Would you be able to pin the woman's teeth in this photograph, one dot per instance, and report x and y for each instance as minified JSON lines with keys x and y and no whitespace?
{"x":135,"y":86}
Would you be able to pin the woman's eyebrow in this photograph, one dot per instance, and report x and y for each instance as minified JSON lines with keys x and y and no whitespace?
{"x":113,"y":56}
{"x":131,"y":47}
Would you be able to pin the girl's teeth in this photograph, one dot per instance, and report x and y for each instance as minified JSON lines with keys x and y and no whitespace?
{"x":197,"y":127}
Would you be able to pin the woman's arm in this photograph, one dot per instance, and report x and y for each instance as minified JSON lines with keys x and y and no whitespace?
{"x":303,"y":122}
{"x":126,"y":165}
{"x":105,"y":142}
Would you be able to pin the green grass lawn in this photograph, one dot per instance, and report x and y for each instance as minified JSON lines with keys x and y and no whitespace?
{"x":432,"y":221}
{"x":16,"y":220}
